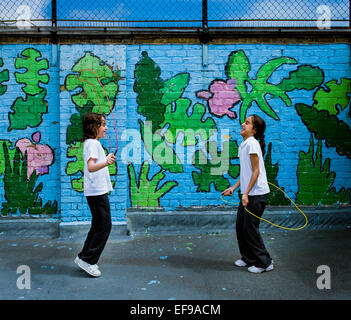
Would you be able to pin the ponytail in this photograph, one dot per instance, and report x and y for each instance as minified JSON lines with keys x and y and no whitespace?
{"x":262,"y":144}
{"x":260,"y":125}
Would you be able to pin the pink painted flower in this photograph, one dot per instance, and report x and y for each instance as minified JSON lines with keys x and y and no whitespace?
{"x":39,"y":157}
{"x":221,"y":97}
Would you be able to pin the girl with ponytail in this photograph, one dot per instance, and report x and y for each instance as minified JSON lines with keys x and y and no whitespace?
{"x":254,"y":189}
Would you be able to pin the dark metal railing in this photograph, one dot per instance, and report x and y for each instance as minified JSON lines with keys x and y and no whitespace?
{"x":173,"y":14}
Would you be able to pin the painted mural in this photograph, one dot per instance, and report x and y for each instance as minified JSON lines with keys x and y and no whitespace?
{"x":24,"y":160}
{"x":186,"y":124}
{"x":98,"y":85}
{"x":171,"y":113}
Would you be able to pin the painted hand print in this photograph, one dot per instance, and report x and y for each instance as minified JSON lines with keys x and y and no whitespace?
{"x":39,"y":157}
{"x":28,"y":112}
{"x":221,"y":97}
{"x":144,"y":192}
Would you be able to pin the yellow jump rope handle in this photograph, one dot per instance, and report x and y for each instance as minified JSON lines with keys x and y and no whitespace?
{"x":273,"y":224}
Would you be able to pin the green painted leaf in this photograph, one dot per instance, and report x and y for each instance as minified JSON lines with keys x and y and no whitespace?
{"x":28,"y":112}
{"x":98,"y":83}
{"x":75,"y":129}
{"x":336,"y":95}
{"x":335,"y":132}
{"x":267,"y":69}
{"x":4,"y":76}
{"x":174,"y":88}
{"x":32,"y":77}
{"x":237,"y":68}
{"x":148,"y":85}
{"x":315,"y":179}
{"x":304,"y":77}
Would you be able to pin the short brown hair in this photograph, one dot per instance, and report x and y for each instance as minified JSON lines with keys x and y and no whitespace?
{"x":91,"y":123}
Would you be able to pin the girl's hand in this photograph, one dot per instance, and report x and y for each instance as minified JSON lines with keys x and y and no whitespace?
{"x":110,"y":159}
{"x":228,"y":192}
{"x":245,"y":199}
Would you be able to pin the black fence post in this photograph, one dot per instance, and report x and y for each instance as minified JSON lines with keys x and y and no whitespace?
{"x":205,"y":15}
{"x":203,"y":34}
{"x":53,"y":15}
{"x":53,"y":22}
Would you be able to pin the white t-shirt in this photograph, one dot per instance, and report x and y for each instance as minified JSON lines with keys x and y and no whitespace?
{"x":247,"y":147}
{"x":98,"y":182}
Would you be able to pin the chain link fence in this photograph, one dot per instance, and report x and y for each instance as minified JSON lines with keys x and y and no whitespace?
{"x":173,"y":13}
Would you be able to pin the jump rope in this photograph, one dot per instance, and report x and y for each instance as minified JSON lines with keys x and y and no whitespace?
{"x":273,"y":224}
{"x":115,"y":127}
{"x":108,"y":100}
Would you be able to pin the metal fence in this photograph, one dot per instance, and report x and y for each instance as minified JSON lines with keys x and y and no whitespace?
{"x":188,"y":14}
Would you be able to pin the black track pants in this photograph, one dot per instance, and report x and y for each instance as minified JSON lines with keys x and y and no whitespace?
{"x":251,"y":246}
{"x":100,"y":229}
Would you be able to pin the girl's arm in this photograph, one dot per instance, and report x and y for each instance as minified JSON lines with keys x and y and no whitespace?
{"x":93,"y":166}
{"x":254,"y":176}
{"x":230,"y":191}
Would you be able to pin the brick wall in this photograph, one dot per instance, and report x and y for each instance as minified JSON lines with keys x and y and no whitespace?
{"x":302,"y":91}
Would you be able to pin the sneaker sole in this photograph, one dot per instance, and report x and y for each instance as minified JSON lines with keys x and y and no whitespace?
{"x":87,"y":271}
{"x":264,"y":270}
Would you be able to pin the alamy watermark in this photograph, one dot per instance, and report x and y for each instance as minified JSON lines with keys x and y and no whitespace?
{"x":324,"y":280}
{"x":24,"y":280}
{"x":24,"y":17}
{"x":324,"y":17}
{"x":169,"y":147}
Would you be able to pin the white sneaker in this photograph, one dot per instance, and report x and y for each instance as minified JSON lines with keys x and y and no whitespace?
{"x":240,"y":263}
{"x":254,"y":269}
{"x":76,"y":260}
{"x":91,"y":269}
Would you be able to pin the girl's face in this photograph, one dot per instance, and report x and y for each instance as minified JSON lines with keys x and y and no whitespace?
{"x":102,"y":129}
{"x":247,"y":128}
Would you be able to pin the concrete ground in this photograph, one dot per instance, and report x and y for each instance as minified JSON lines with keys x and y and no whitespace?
{"x":179,"y":267}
